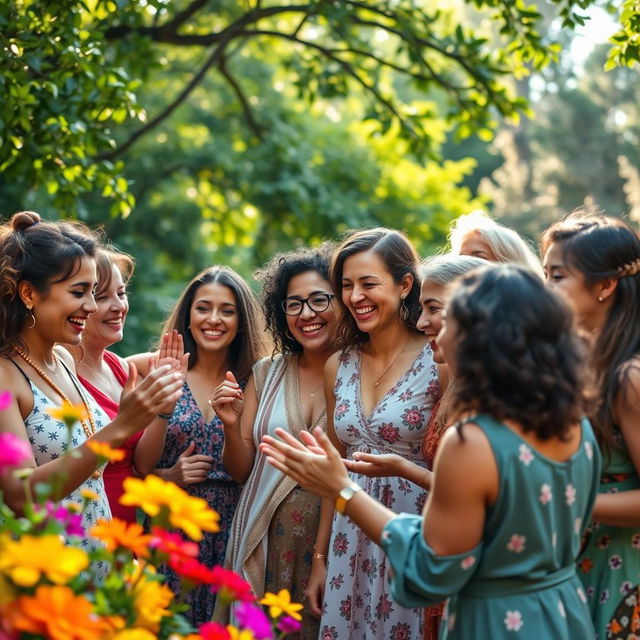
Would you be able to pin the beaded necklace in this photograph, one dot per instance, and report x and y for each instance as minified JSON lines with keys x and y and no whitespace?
{"x":88,"y":424}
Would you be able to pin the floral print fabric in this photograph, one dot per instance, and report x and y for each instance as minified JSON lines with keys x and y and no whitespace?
{"x":609,"y":565}
{"x":521,"y":581}
{"x":358,"y":601}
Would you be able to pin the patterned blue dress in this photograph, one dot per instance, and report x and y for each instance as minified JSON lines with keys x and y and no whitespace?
{"x":187,"y":425}
{"x":520,"y":581}
{"x":358,"y":603}
{"x":49,"y":440}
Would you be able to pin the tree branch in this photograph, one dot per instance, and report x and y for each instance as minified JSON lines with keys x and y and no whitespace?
{"x":246,"y":107}
{"x":182,"y":16}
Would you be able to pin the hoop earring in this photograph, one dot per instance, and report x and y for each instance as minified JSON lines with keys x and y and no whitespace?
{"x":33,"y":318}
{"x":404,"y":311}
{"x":288,"y":334}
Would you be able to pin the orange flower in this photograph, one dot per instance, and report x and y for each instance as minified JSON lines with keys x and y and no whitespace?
{"x":103,"y":450}
{"x":151,"y":599}
{"x":56,"y":613}
{"x":69,"y":413}
{"x":118,"y":533}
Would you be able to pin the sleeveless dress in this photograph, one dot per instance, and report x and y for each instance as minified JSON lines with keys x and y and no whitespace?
{"x":357,"y":600}
{"x":49,"y":440}
{"x":275,"y":525}
{"x":520,"y":581}
{"x":609,"y":565}
{"x":187,"y":425}
{"x":115,"y":473}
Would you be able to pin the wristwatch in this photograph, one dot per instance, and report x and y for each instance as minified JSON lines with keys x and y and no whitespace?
{"x":345,"y":495}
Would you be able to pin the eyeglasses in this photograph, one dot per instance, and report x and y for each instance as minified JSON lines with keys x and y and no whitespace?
{"x":318,"y":302}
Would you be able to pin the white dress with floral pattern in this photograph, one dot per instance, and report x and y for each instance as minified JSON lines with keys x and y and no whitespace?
{"x":358,"y":602}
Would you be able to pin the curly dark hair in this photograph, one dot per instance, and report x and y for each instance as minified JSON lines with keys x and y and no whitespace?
{"x":400,"y":259}
{"x":600,"y":247}
{"x":275,"y":277}
{"x":517,"y":356}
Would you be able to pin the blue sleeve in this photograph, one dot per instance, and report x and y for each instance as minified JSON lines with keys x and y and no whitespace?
{"x":420,"y":578}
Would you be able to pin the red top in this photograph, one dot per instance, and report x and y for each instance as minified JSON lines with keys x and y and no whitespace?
{"x":116,"y":472}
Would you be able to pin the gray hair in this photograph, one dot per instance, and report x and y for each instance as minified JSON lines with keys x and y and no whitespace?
{"x":506,"y":244}
{"x":443,"y":269}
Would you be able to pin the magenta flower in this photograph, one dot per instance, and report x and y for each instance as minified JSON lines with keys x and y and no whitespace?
{"x":289,"y":625}
{"x":13,"y":450}
{"x":71,"y":521}
{"x":253,"y":618}
{"x":5,"y":400}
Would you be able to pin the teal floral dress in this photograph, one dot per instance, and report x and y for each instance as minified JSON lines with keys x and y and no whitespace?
{"x":520,"y":581}
{"x":609,"y":565}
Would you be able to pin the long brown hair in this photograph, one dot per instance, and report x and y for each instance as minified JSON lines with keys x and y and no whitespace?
{"x":399,"y":258}
{"x":601,"y":247}
{"x":249,"y":344}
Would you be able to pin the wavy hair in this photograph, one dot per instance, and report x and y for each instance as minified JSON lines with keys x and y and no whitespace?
{"x":506,"y":244}
{"x":107,"y":257}
{"x":517,"y":356}
{"x":275,"y":277}
{"x":399,"y":258}
{"x":38,"y":252}
{"x":601,"y":247}
{"x":248,"y":346}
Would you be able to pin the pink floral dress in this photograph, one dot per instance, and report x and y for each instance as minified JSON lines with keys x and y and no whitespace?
{"x":358,"y":602}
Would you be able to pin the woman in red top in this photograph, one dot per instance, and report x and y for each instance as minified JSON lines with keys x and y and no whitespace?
{"x":104,"y":374}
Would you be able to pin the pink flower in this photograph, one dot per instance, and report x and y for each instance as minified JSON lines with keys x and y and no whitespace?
{"x":5,"y":400}
{"x":580,"y":593}
{"x":13,"y":450}
{"x":255,"y":619}
{"x":516,"y":544}
{"x":545,"y":494}
{"x":513,"y":621}
{"x":526,"y":456}
{"x":289,"y":625}
{"x":468,"y":562}
{"x":570,"y":494}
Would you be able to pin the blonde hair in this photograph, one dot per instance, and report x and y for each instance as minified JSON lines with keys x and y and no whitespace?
{"x":506,"y":244}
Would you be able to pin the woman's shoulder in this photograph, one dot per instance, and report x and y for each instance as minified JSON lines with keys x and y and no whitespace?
{"x":66,"y":357}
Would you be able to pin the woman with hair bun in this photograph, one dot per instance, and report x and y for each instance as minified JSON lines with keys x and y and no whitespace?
{"x":46,"y":295}
{"x":476,"y":234}
{"x":276,"y":521}
{"x":514,"y":481}
{"x":594,"y":261}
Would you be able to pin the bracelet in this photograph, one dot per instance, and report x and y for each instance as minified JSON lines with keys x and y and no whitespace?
{"x":319,"y":556}
{"x":165,"y":416}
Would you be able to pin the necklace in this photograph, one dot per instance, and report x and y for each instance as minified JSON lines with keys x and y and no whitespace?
{"x":88,"y":425}
{"x":384,"y":373}
{"x":312,"y":394}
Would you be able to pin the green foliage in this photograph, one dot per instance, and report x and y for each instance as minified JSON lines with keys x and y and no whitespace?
{"x":626,"y":49}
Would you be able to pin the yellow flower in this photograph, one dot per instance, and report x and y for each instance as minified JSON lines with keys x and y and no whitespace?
{"x":135,"y":634}
{"x":56,"y":613}
{"x":26,"y":560}
{"x":237,"y":634}
{"x":69,"y":413}
{"x":103,"y":450}
{"x":118,"y":533}
{"x":88,"y":495}
{"x":152,"y":495}
{"x":281,"y":603}
{"x":151,"y":599}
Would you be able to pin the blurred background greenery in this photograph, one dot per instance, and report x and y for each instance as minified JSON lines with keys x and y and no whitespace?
{"x":198,"y":132}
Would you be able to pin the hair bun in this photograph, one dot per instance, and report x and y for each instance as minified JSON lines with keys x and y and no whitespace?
{"x":24,"y":219}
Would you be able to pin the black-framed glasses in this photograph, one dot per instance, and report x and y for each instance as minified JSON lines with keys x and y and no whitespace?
{"x":318,"y":303}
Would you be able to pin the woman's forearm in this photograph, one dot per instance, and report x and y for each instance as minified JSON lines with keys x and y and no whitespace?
{"x":237,"y":456}
{"x":620,"y":509}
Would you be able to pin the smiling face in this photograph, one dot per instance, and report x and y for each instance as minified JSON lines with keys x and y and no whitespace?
{"x":214,"y":318}
{"x":61,"y":313}
{"x":447,"y":341}
{"x":571,"y":285}
{"x":105,"y":326}
{"x":474,"y":244}
{"x":432,"y":300}
{"x":313,"y":330}
{"x":369,"y":292}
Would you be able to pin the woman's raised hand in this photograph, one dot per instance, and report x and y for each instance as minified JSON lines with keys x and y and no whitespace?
{"x":316,"y":465}
{"x":227,"y":401}
{"x":171,"y":352}
{"x":376,"y":465}
{"x":141,"y":403}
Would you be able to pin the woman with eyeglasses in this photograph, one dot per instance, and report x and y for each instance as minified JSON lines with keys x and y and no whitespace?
{"x":276,"y":521}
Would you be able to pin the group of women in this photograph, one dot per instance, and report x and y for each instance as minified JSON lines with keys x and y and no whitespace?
{"x":316,"y":420}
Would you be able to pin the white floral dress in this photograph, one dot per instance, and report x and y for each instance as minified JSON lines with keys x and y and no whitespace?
{"x":49,"y":439}
{"x":521,"y":581}
{"x":358,"y":602}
